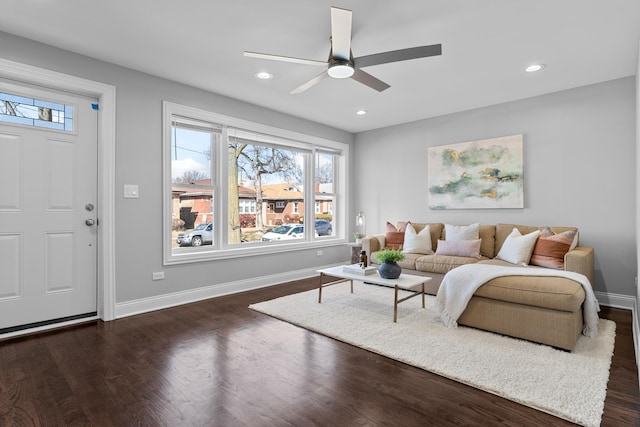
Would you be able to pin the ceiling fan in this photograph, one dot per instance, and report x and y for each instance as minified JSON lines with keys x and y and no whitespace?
{"x":341,"y":63}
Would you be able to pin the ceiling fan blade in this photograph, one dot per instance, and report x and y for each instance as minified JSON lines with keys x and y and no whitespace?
{"x":284,"y":58}
{"x":314,"y":81}
{"x":341,"y":33}
{"x":398,"y":55}
{"x":368,"y":80}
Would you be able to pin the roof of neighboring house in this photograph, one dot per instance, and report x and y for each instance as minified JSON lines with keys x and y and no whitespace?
{"x":285,"y":191}
{"x":246,"y":191}
{"x":190,"y":190}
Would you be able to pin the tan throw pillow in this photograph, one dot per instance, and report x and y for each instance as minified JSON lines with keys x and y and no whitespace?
{"x":517,"y":249}
{"x":394,"y":239}
{"x":465,"y":248}
{"x":462,"y":232}
{"x":417,"y":243}
{"x":551,"y":248}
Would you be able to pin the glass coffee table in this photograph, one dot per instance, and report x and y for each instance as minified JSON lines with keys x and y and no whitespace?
{"x":407,"y":282}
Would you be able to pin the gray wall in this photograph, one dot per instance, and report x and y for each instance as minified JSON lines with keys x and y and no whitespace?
{"x":580,"y":164}
{"x":139,"y":161}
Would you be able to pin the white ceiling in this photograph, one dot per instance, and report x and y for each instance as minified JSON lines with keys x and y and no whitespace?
{"x":486,"y":45}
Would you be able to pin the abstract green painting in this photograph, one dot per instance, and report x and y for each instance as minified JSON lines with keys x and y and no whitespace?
{"x":483,"y":174}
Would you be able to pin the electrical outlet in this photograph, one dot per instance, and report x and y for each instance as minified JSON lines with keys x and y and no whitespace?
{"x":157,"y":275}
{"x":319,"y":253}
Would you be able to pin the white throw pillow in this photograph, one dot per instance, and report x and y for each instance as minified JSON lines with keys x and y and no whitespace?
{"x":462,"y":232}
{"x":417,"y":243}
{"x":517,"y":249}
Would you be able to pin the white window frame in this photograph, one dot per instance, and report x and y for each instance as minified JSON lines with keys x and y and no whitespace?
{"x":295,"y":140}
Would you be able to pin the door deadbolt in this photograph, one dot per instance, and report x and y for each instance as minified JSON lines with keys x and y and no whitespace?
{"x":89,"y":207}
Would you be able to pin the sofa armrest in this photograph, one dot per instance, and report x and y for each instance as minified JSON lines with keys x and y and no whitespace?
{"x":580,"y":260}
{"x":372,"y":243}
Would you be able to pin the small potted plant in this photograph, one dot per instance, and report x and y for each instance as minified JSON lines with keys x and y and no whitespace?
{"x":388,"y":258}
{"x":358,"y":236}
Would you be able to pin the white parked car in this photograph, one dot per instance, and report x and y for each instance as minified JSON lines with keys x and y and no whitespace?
{"x":284,"y":232}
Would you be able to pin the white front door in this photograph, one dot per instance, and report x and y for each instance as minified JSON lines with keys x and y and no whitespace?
{"x":48,"y":207}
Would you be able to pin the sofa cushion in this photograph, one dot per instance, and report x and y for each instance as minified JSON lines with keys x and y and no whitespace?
{"x":417,"y":242}
{"x":462,"y":232}
{"x":442,"y":263}
{"x":517,"y":249}
{"x":464,"y":248}
{"x":487,"y":234}
{"x":394,"y":238}
{"x":409,"y":261}
{"x":551,"y":248}
{"x":556,"y":293}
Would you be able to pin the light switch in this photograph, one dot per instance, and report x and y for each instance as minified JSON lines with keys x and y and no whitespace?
{"x":130,"y":191}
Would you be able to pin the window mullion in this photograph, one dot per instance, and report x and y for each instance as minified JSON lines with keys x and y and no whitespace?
{"x":309,"y":195}
{"x":222,"y":199}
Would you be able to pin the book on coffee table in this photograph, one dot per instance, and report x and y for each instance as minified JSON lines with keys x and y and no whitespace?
{"x":356,"y":269}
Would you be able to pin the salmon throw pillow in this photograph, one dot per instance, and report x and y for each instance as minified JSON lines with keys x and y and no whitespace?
{"x":394,"y":238}
{"x":551,"y":248}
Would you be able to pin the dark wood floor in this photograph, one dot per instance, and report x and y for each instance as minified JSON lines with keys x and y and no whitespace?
{"x":217,"y":363}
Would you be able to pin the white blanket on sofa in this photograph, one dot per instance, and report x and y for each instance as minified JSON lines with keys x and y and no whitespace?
{"x":459,"y":285}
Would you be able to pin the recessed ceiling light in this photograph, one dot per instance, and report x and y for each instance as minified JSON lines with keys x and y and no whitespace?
{"x":534,"y":67}
{"x":361,"y":112}
{"x":264,"y":75}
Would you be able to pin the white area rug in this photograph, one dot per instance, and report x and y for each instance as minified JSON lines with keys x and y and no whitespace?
{"x":572,"y":385}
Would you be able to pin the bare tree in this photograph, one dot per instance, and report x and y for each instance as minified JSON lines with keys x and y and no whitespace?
{"x":191,"y":176}
{"x":324,"y":173}
{"x":235,"y":235}
{"x":257,"y":161}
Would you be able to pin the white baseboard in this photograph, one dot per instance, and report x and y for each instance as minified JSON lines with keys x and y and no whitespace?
{"x":145,"y":305}
{"x":628,"y":303}
{"x":159,"y":302}
{"x":625,"y":302}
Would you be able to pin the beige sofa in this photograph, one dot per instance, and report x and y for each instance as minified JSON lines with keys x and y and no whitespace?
{"x":547,"y":310}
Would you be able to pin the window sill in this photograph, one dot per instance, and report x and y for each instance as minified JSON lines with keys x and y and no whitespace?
{"x":204,"y":255}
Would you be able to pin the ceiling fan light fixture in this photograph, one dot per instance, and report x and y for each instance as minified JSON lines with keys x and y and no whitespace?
{"x":340,"y":70}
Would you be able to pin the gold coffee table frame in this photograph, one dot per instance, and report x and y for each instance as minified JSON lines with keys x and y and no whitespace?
{"x":408,"y":282}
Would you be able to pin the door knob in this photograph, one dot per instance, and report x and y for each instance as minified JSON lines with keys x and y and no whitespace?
{"x":89,"y":222}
